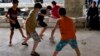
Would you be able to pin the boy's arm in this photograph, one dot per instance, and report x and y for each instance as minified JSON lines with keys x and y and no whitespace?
{"x":7,"y":15}
{"x":53,"y":31}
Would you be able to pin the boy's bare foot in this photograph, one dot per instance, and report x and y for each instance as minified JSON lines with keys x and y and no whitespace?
{"x":10,"y":45}
{"x":52,"y":40}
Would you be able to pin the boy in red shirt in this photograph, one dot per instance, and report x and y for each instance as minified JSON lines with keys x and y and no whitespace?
{"x":55,"y":10}
{"x":67,"y":30}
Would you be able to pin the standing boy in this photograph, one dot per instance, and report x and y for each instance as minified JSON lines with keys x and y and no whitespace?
{"x":40,"y":18}
{"x":55,"y":10}
{"x":67,"y":31}
{"x":31,"y":24}
{"x":12,"y":16}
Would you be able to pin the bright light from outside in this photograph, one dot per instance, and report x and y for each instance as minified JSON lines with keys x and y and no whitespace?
{"x":30,"y":1}
{"x":25,"y":1}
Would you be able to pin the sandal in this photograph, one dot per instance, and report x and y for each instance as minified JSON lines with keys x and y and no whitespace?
{"x":25,"y":44}
{"x":35,"y":54}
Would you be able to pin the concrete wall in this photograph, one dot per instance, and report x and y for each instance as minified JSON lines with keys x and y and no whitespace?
{"x":74,"y":8}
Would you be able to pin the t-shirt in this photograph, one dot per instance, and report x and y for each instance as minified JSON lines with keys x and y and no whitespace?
{"x":55,"y":11}
{"x":31,"y":22}
{"x":13,"y":13}
{"x":67,"y":28}
{"x":40,"y":18}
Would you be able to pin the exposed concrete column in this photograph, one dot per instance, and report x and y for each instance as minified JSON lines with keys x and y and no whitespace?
{"x":74,"y":8}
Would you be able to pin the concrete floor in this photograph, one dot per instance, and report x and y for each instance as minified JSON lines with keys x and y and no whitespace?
{"x":88,"y":41}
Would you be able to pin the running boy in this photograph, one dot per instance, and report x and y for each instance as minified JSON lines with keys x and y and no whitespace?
{"x":43,"y":12}
{"x":41,"y":22}
{"x":67,"y":31}
{"x":31,"y":24}
{"x":12,"y":16}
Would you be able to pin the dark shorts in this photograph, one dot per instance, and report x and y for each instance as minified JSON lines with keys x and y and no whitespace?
{"x":61,"y":44}
{"x":42,"y":24}
{"x":16,"y":25}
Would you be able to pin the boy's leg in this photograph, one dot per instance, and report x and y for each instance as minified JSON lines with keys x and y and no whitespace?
{"x":74,"y":45}
{"x":34,"y":46}
{"x":34,"y":53}
{"x":22,"y":33}
{"x":55,"y":53}
{"x":42,"y":31}
{"x":77,"y":51}
{"x":36,"y":39}
{"x":44,"y":27}
{"x":59,"y":47}
{"x":25,"y":41}
{"x":11,"y":35}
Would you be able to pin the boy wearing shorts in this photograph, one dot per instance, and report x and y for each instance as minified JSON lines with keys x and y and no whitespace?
{"x":67,"y":30}
{"x":41,"y":22}
{"x":12,"y":16}
{"x":31,"y":24}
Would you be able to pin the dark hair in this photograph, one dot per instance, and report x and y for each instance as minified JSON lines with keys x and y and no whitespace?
{"x":15,"y":1}
{"x":54,"y":2}
{"x":43,"y":11}
{"x":62,"y":11}
{"x":94,"y":2}
{"x":38,"y":5}
{"x":49,"y":7}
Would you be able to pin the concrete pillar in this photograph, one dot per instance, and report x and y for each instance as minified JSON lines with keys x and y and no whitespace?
{"x":74,"y":8}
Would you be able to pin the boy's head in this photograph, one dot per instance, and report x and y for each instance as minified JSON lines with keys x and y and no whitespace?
{"x":43,"y":11}
{"x":15,"y":3}
{"x":49,"y":7}
{"x":62,"y":12}
{"x":54,"y":3}
{"x":37,"y":7}
{"x":93,"y":4}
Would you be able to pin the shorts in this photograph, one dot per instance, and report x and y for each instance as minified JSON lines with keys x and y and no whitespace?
{"x":42,"y":24}
{"x":61,"y":44}
{"x":16,"y":25}
{"x":35,"y":36}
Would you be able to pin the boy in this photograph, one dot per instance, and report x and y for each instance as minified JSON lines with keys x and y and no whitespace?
{"x":55,"y":9}
{"x":43,"y":12}
{"x":12,"y":16}
{"x":67,"y":31}
{"x":49,"y":9}
{"x":41,"y":22}
{"x":31,"y":24}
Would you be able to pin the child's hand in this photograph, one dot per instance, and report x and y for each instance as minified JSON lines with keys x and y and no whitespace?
{"x":13,"y":21}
